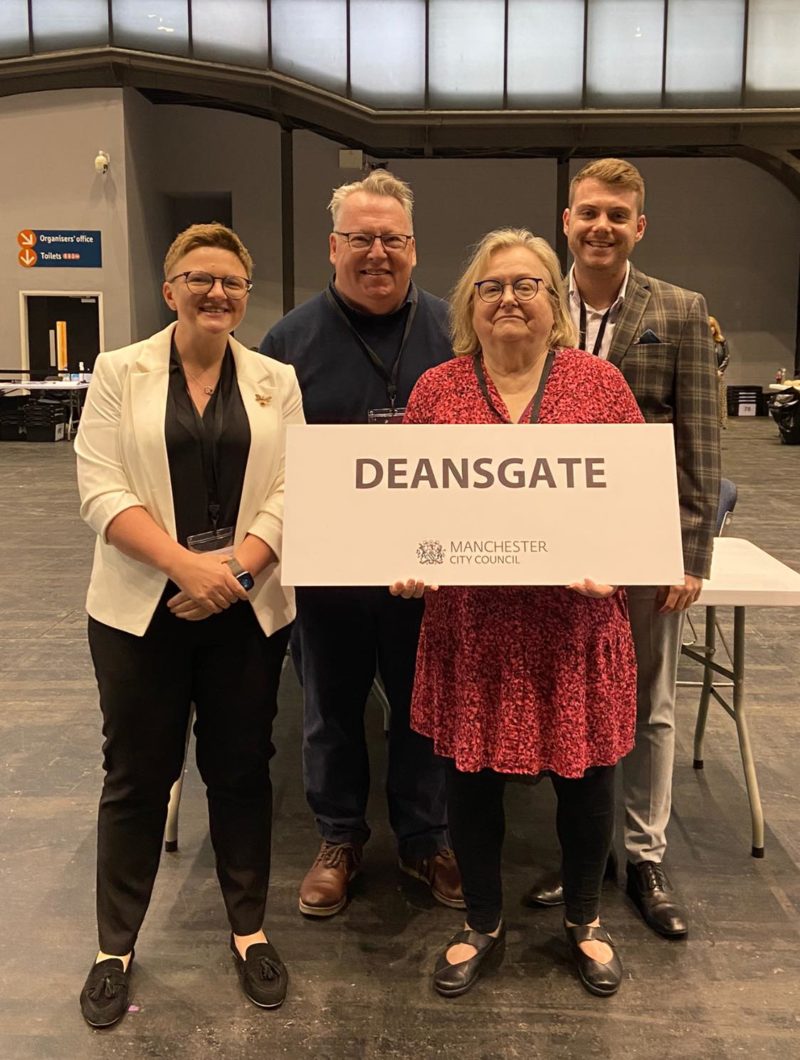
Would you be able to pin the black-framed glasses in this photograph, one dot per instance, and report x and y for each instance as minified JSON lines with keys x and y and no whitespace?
{"x":525,"y":288}
{"x":202,"y":282}
{"x":364,"y":240}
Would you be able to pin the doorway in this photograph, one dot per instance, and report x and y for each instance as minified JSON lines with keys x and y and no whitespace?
{"x":72,"y":318}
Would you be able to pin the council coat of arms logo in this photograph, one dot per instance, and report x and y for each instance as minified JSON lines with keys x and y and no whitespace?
{"x":430,"y":552}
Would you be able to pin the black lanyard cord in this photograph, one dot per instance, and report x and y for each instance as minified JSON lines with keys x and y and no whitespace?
{"x":598,"y":342}
{"x":389,"y":377}
{"x":209,"y":434}
{"x":537,"y":397}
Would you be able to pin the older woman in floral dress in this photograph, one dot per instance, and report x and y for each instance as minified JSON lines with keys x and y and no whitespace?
{"x":524,"y":680}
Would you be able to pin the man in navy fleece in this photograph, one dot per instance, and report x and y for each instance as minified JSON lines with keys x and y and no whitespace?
{"x":358,"y":348}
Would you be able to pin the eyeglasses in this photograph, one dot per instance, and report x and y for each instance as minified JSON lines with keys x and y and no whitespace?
{"x":202,"y":282}
{"x":364,"y":241}
{"x":525,"y":288}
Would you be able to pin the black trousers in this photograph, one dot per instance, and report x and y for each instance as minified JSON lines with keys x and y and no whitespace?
{"x":585,"y":825}
{"x":346,"y":636}
{"x":230,"y":670}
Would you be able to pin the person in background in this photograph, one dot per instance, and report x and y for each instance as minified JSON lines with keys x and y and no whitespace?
{"x":658,"y":336}
{"x":358,"y":348}
{"x":723,"y":357}
{"x":180,"y":471}
{"x":517,"y":680}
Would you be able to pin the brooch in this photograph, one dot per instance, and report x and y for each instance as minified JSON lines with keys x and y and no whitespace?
{"x":263,"y":399}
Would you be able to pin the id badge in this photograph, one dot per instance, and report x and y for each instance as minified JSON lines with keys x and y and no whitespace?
{"x":218,"y":541}
{"x":386,"y":415}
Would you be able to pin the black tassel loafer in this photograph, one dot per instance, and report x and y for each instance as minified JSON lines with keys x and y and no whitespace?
{"x":262,"y":973}
{"x":104,"y":998}
{"x":452,"y":980}
{"x":598,"y":978}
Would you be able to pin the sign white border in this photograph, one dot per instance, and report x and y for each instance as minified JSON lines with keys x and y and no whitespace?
{"x":544,"y":504}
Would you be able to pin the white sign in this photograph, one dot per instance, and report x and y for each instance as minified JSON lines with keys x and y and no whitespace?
{"x":481,"y":505}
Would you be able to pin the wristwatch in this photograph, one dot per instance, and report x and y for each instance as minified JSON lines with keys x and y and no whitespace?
{"x":243,"y":577}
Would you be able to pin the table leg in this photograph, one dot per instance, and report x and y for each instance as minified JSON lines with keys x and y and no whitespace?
{"x":705,"y":695}
{"x":171,"y":827}
{"x":74,"y":406}
{"x":740,"y":717}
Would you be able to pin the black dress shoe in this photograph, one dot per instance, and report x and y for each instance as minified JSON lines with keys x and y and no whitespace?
{"x":546,"y":891}
{"x":451,"y":980}
{"x":262,"y":973}
{"x":104,"y":998}
{"x":598,"y":978}
{"x":549,"y":890}
{"x":654,"y":896}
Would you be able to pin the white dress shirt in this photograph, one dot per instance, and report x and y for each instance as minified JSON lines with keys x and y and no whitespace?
{"x":594,"y":317}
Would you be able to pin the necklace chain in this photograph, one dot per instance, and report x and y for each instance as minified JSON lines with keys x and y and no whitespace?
{"x":207,"y":390}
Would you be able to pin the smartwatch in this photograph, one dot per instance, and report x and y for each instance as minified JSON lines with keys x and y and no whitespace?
{"x":243,"y":577}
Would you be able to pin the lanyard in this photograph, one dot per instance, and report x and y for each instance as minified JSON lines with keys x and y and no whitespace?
{"x":390,"y":378}
{"x":209,"y":436}
{"x":537,"y":397}
{"x":598,"y":342}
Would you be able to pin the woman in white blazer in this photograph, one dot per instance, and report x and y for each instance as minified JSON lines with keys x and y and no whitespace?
{"x":180,"y":470}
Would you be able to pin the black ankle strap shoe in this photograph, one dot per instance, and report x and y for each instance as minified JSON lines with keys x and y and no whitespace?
{"x":451,"y":980}
{"x":598,"y":978}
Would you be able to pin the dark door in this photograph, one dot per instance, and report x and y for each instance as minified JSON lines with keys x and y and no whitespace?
{"x":81,"y":315}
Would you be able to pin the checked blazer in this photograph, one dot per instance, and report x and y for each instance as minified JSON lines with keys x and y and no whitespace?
{"x":673,"y":376}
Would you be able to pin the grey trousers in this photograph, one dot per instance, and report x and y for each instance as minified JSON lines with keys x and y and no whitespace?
{"x":647,"y":770}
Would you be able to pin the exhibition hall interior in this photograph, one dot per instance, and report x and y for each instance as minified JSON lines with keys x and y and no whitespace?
{"x":125,"y":122}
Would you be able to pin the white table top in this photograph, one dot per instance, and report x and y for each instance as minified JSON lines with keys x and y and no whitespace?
{"x":49,"y":384}
{"x":742,"y":574}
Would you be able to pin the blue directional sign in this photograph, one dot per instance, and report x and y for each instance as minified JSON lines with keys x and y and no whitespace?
{"x":63,"y":248}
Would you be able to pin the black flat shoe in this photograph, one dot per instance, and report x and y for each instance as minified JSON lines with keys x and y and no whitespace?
{"x":262,"y":973}
{"x":600,"y":979}
{"x":656,"y":899}
{"x":451,"y":980}
{"x":104,"y":998}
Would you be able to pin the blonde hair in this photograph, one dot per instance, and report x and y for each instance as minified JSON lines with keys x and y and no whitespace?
{"x":208,"y":235}
{"x":379,"y":182}
{"x":612,"y":171}
{"x":462,"y":298}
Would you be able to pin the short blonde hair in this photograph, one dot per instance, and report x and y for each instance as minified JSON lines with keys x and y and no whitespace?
{"x":379,"y":182}
{"x":462,"y":298}
{"x":612,"y":171}
{"x":209,"y":235}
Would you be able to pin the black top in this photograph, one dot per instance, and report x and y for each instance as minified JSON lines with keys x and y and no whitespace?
{"x":338,"y":381}
{"x":207,"y":454}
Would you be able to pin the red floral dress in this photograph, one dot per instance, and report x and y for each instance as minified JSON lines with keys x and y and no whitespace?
{"x":518,"y":679}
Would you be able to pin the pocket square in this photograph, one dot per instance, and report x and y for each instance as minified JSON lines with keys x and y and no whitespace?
{"x":647,"y":338}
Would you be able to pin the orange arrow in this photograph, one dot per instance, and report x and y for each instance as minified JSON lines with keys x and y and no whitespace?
{"x":26,"y":238}
{"x":28,"y":258}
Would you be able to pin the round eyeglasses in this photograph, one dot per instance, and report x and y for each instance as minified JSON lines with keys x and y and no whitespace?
{"x":364,"y":241}
{"x":525,"y":288}
{"x":202,"y":282}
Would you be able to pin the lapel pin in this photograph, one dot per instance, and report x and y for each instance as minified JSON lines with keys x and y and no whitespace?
{"x":263,"y":399}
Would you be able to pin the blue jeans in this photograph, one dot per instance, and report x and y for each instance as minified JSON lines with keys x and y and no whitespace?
{"x":347,"y":635}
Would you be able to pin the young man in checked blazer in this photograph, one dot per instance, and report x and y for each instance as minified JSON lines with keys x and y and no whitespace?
{"x":658,"y":336}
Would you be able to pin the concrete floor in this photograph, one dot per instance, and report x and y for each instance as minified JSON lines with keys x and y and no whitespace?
{"x":359,"y":982}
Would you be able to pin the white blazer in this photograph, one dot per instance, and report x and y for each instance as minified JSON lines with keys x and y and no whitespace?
{"x":122,"y":463}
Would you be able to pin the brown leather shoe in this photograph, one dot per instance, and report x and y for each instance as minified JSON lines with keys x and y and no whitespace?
{"x":323,"y":891}
{"x":441,"y":874}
